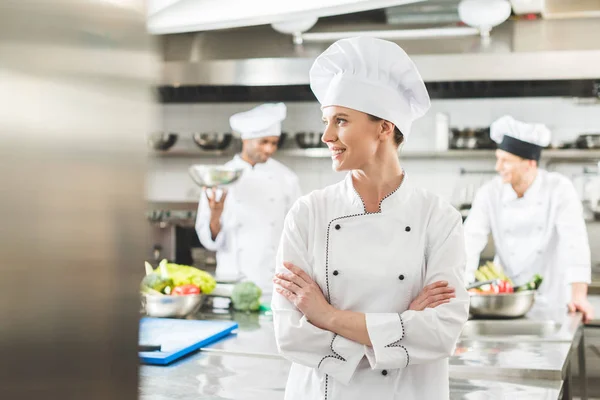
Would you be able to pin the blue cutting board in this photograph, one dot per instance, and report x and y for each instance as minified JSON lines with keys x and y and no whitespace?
{"x":178,"y":337}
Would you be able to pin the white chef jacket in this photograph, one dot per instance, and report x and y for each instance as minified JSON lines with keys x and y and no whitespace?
{"x":252,"y":220}
{"x":543,"y":232}
{"x":374,"y":263}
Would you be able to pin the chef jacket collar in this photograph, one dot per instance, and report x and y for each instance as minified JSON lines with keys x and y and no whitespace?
{"x":509,"y":194}
{"x":394,"y":198}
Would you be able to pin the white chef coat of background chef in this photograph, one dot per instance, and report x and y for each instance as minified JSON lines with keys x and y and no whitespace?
{"x":543,"y":232}
{"x":375,"y":263}
{"x":255,"y":207}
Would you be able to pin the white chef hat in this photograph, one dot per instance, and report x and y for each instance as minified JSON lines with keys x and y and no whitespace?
{"x":261,"y":121}
{"x":519,"y":138}
{"x":371,"y":75}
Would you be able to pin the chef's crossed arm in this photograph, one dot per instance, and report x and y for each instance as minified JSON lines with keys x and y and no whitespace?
{"x":334,"y":341}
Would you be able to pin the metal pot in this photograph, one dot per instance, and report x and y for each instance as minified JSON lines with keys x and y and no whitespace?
{"x":502,"y":305}
{"x":309,"y":140}
{"x":212,"y":141}
{"x":588,"y":141}
{"x":162,"y":140}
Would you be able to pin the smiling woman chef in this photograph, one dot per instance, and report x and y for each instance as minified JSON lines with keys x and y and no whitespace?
{"x":358,"y":258}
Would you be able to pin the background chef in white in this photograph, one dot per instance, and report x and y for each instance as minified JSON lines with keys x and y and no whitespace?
{"x":535,"y":217}
{"x":244,"y":224}
{"x":358,"y":259}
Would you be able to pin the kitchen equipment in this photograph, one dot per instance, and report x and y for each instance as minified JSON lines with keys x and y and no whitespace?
{"x":588,"y":141}
{"x":214,"y":175}
{"x":162,"y":140}
{"x":282,"y":139}
{"x":178,"y":338}
{"x":165,"y":306}
{"x":471,"y":138}
{"x":212,"y":141}
{"x":309,"y":140}
{"x":501,"y":305}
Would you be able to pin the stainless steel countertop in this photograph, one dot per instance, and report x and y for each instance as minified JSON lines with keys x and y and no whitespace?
{"x":246,"y":365}
{"x":211,"y":376}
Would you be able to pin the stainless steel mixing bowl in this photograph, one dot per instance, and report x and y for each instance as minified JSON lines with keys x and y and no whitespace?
{"x":165,"y":306}
{"x":502,"y":305}
{"x":214,"y":175}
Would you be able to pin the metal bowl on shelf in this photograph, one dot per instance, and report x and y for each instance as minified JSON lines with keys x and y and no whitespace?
{"x":501,"y":305}
{"x":212,"y":141}
{"x":309,"y":140}
{"x":165,"y":306}
{"x":282,"y":139}
{"x":214,"y":175}
{"x":162,"y":140}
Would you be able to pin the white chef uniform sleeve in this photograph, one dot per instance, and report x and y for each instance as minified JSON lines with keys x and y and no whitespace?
{"x":573,"y":247}
{"x":418,"y":337}
{"x":477,"y":231}
{"x":203,"y":226}
{"x":297,"y":339}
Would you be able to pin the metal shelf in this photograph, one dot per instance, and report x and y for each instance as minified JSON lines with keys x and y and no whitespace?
{"x":554,"y":155}
{"x":567,"y":154}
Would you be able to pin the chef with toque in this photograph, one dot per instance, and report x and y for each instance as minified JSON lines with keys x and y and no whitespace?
{"x":535,"y":217}
{"x":244,"y":224}
{"x":358,"y":259}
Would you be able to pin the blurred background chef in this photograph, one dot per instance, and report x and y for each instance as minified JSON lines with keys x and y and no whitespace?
{"x":535,"y":217}
{"x":243,"y":224}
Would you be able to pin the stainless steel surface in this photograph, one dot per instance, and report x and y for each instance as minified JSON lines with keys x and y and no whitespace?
{"x":575,"y":156}
{"x":521,"y":330}
{"x":171,"y":306}
{"x":505,"y":305}
{"x":246,"y":365}
{"x":75,"y":110}
{"x":510,"y":359}
{"x":260,"y":56}
{"x":214,"y":175}
{"x":228,"y":376}
{"x":519,"y":389}
{"x":188,"y":16}
{"x":215,"y":376}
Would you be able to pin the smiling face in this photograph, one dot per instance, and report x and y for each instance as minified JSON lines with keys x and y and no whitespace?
{"x":353,"y":138}
{"x":513,"y":169}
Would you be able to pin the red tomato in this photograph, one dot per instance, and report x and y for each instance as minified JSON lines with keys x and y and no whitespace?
{"x":186,"y":289}
{"x":505,"y":287}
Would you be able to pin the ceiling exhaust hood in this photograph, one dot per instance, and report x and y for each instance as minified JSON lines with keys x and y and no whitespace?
{"x":517,"y":50}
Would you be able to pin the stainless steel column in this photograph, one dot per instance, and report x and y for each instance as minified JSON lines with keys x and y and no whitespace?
{"x":75,"y":105}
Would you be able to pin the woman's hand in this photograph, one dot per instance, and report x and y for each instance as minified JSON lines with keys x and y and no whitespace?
{"x":299,"y":288}
{"x":433,"y":295}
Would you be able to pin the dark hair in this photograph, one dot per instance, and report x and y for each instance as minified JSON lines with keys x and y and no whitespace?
{"x":398,"y":136}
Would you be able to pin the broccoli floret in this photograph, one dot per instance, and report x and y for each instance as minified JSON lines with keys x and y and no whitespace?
{"x":246,"y":296}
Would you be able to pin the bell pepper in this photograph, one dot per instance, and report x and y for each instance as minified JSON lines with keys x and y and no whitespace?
{"x":183,"y":290}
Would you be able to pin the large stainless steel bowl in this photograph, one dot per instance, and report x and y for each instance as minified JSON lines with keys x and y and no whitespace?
{"x":214,"y":175}
{"x":212,"y":141}
{"x":502,"y":305}
{"x":164,"y":306}
{"x":162,"y":140}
